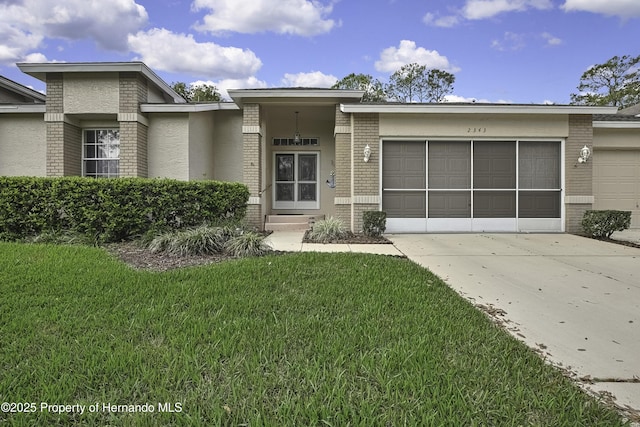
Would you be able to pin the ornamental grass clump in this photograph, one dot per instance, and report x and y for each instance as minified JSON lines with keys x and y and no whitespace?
{"x":328,"y":230}
{"x":202,"y":240}
{"x":247,"y":244}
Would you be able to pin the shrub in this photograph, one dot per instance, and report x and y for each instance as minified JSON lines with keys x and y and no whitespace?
{"x":246,"y":244}
{"x":602,"y":224}
{"x":374,"y":223}
{"x":327,"y":230}
{"x":114,"y":209}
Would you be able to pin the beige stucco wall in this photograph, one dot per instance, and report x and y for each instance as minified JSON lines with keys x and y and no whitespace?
{"x":604,"y":138}
{"x":473,"y":125}
{"x":154,"y":95}
{"x":168,"y":146}
{"x":91,"y":93}
{"x":227,"y":146}
{"x":201,"y":148}
{"x":23,"y":148}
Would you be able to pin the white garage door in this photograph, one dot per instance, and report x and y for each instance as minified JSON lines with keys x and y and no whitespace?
{"x":616,"y":182}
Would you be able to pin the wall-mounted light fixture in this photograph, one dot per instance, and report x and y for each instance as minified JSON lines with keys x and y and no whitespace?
{"x":296,"y":136}
{"x":585,"y":153}
{"x":367,"y":153}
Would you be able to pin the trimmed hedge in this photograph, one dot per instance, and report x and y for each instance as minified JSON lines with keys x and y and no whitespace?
{"x":601,"y":224}
{"x":114,"y":209}
{"x":374,"y":223}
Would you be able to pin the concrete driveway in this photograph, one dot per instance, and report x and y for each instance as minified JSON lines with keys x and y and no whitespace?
{"x":573,"y":299}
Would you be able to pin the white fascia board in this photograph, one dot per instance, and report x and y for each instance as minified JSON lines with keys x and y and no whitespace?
{"x":23,"y":108}
{"x":474,"y":109}
{"x":616,"y":124}
{"x":39,"y":70}
{"x":187,"y":108}
{"x":297,"y":95}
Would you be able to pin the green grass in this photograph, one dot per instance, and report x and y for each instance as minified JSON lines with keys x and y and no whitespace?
{"x":298,"y":339}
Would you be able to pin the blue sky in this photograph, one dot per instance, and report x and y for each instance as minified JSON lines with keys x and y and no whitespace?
{"x":518,"y":51}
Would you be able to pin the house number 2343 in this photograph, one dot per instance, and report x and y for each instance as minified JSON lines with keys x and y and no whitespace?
{"x":476,"y":130}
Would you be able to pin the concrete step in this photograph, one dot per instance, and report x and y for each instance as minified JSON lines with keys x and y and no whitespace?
{"x":291,"y":222}
{"x":286,"y":226}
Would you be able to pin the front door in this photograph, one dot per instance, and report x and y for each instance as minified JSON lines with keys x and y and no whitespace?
{"x":296,"y":180}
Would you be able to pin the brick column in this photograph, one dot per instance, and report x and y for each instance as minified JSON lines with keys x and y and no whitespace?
{"x":252,"y":164}
{"x":366,"y":175}
{"x":342,"y":134}
{"x":133,"y":126}
{"x":578,"y":176}
{"x":64,"y":140}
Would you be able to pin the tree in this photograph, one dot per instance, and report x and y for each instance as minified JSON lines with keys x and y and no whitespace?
{"x":373,"y":88}
{"x":409,"y":83}
{"x":439,"y":84}
{"x":197,"y":92}
{"x":615,"y":83}
{"x":414,"y":83}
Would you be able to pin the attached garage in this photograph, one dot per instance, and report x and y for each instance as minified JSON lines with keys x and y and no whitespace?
{"x":476,"y":185}
{"x":616,"y":181}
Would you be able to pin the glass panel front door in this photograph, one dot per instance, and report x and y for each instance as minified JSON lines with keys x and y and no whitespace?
{"x":296,"y":181}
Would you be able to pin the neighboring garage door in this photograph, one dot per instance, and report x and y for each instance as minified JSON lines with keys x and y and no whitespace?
{"x":616,"y":181}
{"x":472,"y":185}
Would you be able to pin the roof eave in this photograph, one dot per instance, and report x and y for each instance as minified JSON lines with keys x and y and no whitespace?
{"x":39,"y":71}
{"x":241,"y":96}
{"x":22,"y":90}
{"x":617,"y":124}
{"x":475,"y":109}
{"x":23,"y":108}
{"x":187,"y":108}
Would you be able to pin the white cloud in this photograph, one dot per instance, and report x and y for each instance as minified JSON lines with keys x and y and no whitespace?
{"x":393,"y":58}
{"x":313,"y":79}
{"x":224,"y":85}
{"x":180,"y":53}
{"x":436,"y":20}
{"x":625,"y":9}
{"x":509,"y":42}
{"x":299,"y":17}
{"x":551,"y":39}
{"x":472,"y":100}
{"x":482,"y":9}
{"x":24,"y":24}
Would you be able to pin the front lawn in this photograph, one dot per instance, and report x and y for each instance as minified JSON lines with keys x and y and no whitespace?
{"x":295,"y":339}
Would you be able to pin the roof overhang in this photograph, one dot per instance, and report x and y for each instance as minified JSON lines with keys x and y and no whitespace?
{"x":187,"y":108}
{"x":40,"y":70}
{"x":446,"y":108}
{"x":22,"y":90}
{"x":617,"y":124}
{"x":294,"y":96}
{"x":23,"y":108}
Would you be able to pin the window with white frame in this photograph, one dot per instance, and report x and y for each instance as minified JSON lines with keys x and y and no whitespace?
{"x":101,"y":153}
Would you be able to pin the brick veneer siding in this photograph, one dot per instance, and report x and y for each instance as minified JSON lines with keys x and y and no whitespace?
{"x":252,"y":163}
{"x":133,"y":149}
{"x":343,"y":164}
{"x":64,"y":149}
{"x":133,"y":92}
{"x":55,"y":93}
{"x":133,"y":134}
{"x":366,"y":175}
{"x":578,"y":176}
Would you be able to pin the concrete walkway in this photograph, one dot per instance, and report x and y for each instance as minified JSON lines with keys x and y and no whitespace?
{"x":574,"y":300}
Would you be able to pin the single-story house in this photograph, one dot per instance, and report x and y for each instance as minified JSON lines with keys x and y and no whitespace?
{"x":449,"y":167}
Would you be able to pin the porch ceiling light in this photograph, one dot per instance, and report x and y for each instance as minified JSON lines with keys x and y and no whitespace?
{"x":296,"y":136}
{"x":585,"y":153}
{"x":367,"y":153}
